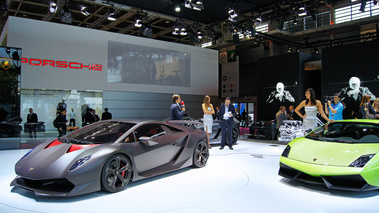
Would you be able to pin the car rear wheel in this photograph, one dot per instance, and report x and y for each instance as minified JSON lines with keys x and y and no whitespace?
{"x":200,"y":154}
{"x":116,"y":173}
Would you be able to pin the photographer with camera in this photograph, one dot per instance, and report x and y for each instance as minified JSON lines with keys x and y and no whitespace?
{"x":334,"y":109}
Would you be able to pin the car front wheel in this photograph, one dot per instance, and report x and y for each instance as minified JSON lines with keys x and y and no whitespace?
{"x":200,"y":154}
{"x":116,"y":173}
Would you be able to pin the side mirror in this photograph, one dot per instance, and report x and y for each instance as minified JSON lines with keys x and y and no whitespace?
{"x":148,"y":140}
{"x":144,"y":138}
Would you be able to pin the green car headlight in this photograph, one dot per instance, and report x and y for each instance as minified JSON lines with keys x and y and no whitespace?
{"x":361,"y":161}
{"x":286,"y":151}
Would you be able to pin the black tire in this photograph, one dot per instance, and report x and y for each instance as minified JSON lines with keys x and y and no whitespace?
{"x":200,"y":154}
{"x":116,"y":173}
{"x":234,"y":137}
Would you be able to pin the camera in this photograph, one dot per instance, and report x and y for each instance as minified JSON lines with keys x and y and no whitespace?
{"x":328,"y":98}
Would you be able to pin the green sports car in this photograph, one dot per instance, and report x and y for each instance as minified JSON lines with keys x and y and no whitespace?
{"x":340,"y":155}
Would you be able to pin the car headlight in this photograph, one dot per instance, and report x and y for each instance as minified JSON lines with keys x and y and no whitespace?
{"x":361,"y":161}
{"x":286,"y":151}
{"x":80,"y":162}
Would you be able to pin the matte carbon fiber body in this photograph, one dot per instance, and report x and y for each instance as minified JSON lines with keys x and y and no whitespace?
{"x":46,"y":169}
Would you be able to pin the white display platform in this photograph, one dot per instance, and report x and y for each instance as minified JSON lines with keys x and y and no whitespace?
{"x":241,"y":180}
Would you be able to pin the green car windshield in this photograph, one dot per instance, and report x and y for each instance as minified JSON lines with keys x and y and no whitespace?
{"x":98,"y":133}
{"x":346,"y":132}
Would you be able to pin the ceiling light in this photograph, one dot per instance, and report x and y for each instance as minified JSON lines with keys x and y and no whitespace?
{"x":176,"y":29}
{"x":289,"y":50}
{"x":303,"y":14}
{"x":53,"y":7}
{"x":199,"y":5}
{"x":138,"y":23}
{"x":65,"y":15}
{"x":195,"y":6}
{"x":232,"y":13}
{"x":83,"y":10}
{"x":183,"y":31}
{"x":199,"y":34}
{"x":146,"y":30}
{"x":178,"y":7}
{"x":111,"y":16}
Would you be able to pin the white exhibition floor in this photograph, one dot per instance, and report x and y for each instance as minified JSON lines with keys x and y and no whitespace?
{"x":243,"y":180}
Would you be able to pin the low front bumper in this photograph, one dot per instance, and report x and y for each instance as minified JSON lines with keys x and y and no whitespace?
{"x":333,"y":177}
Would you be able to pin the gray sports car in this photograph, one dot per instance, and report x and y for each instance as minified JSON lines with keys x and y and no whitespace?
{"x":107,"y":155}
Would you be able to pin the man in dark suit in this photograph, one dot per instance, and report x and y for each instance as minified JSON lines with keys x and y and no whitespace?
{"x":176,"y":111}
{"x":31,"y":121}
{"x":106,"y":115}
{"x":292,"y":115}
{"x":226,"y":114}
{"x":89,"y":117}
{"x":60,"y":123}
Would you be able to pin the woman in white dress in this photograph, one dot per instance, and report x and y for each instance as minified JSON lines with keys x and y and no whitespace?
{"x":208,"y":118}
{"x":311,"y":107}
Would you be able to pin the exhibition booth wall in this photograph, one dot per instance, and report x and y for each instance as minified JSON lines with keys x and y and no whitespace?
{"x":134,"y":77}
{"x":355,"y":60}
{"x":333,"y":73}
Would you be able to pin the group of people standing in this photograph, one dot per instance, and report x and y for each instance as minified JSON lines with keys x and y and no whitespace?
{"x":225,"y":114}
{"x":334,"y":109}
{"x":60,"y":122}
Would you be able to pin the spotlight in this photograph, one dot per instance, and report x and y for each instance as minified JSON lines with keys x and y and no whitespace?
{"x":146,"y":31}
{"x":315,"y":50}
{"x":199,"y":5}
{"x":183,"y":31}
{"x":199,"y":34}
{"x":111,"y":16}
{"x":176,"y":30}
{"x":53,"y":7}
{"x":289,"y":50}
{"x":232,"y":13}
{"x":138,"y":22}
{"x":83,"y":10}
{"x":177,"y":7}
{"x":65,"y":15}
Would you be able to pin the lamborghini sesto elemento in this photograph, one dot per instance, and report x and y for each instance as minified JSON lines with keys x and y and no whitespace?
{"x":107,"y":155}
{"x":340,"y":155}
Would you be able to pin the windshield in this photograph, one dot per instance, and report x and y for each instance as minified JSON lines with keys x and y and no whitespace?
{"x":99,"y":133}
{"x":346,"y":132}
